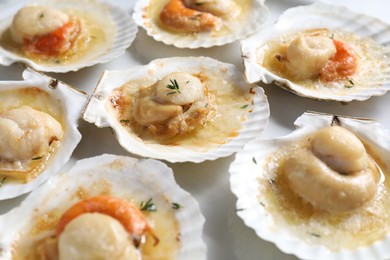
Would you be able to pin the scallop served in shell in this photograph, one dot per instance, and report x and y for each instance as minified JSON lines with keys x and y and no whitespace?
{"x":106,"y":207}
{"x":38,"y":130}
{"x":198,"y":23}
{"x":187,"y":109}
{"x":61,"y":36}
{"x":319,"y":192}
{"x":321,"y":51}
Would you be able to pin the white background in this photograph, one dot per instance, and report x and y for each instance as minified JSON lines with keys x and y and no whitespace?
{"x":224,"y":233}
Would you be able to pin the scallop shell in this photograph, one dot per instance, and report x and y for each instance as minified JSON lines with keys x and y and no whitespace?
{"x":127,"y":178}
{"x":255,"y":17}
{"x":119,"y":28}
{"x":320,"y":15}
{"x":97,"y":113}
{"x":246,"y":169}
{"x":72,"y":102}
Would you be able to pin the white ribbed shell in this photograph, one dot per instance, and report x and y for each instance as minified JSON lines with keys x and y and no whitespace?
{"x":128,"y":177}
{"x":97,"y":113}
{"x":254,"y":19}
{"x":244,"y":174}
{"x":319,"y":15}
{"x":72,"y":102}
{"x":123,"y":25}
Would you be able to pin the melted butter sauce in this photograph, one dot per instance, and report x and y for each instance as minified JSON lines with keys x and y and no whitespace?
{"x":230,"y":106}
{"x":39,"y":100}
{"x":371,"y":61}
{"x":91,"y":38}
{"x":336,"y":231}
{"x":229,"y":24}
{"x":163,"y":222}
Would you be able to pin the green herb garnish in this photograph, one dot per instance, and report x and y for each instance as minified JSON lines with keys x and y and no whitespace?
{"x":124,"y":121}
{"x":254,"y":160}
{"x":279,"y":57}
{"x":351,"y":84}
{"x":174,"y":86}
{"x":176,"y":205}
{"x":195,"y":17}
{"x":244,"y":106}
{"x":332,"y":36}
{"x":148,"y":206}
{"x":315,"y":234}
{"x":37,"y":158}
{"x":262,"y":204}
{"x":2,"y":181}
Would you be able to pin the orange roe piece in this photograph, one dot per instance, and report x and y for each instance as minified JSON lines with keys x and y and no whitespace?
{"x":177,"y":16}
{"x":343,"y":64}
{"x":52,"y":44}
{"x":132,"y":219}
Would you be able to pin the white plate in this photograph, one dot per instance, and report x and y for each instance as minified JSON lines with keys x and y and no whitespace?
{"x":208,"y":182}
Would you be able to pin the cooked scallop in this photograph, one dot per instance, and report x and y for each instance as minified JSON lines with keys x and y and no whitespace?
{"x":96,"y":236}
{"x":26,"y":133}
{"x":32,"y":21}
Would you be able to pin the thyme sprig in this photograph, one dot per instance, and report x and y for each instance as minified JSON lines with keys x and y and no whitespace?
{"x":173,"y":86}
{"x":148,"y":205}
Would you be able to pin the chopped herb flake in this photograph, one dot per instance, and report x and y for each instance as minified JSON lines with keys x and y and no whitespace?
{"x":176,"y":205}
{"x":315,"y":234}
{"x":244,"y":106}
{"x":148,"y":206}
{"x":332,"y":36}
{"x":254,"y":160}
{"x":195,"y":17}
{"x":3,"y":180}
{"x":174,"y":86}
{"x":262,"y":204}
{"x":124,"y":121}
{"x":279,"y":57}
{"x":351,"y":84}
{"x":37,"y":158}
